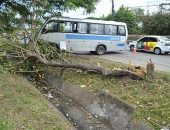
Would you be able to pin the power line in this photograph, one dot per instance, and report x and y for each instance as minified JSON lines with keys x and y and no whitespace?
{"x":145,"y":6}
{"x":157,"y":3}
{"x":151,"y":5}
{"x":164,"y":7}
{"x":148,"y":5}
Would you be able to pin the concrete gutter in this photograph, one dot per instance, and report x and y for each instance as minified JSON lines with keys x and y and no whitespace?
{"x":85,"y":108}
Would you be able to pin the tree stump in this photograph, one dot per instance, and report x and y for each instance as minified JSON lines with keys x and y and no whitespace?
{"x":150,"y":68}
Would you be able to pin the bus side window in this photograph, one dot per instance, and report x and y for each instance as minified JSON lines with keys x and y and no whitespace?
{"x":82,"y":28}
{"x":110,"y":30}
{"x":121,"y":30}
{"x":65,"y":26}
{"x":97,"y":29}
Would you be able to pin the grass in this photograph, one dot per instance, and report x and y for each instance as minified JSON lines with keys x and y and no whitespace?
{"x":23,"y":107}
{"x":150,"y":96}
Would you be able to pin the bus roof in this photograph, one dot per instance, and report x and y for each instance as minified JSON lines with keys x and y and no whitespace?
{"x":87,"y":20}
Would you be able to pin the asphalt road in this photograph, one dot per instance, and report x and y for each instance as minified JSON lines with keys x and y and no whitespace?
{"x":162,"y":62}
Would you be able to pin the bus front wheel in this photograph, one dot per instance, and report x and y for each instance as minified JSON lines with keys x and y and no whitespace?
{"x":100,"y":50}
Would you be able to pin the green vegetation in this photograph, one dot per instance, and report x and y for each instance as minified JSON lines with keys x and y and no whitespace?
{"x":22,"y":106}
{"x":138,"y":22}
{"x":157,"y":23}
{"x":150,"y":96}
{"x":126,"y":15}
{"x":26,"y":10}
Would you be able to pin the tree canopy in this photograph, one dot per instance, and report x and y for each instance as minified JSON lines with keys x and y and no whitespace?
{"x":10,"y":10}
{"x":157,"y":24}
{"x":15,"y":12}
{"x":124,"y":14}
{"x":21,"y":5}
{"x":138,"y":22}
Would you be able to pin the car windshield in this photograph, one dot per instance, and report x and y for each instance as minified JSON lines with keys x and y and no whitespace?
{"x":165,"y":38}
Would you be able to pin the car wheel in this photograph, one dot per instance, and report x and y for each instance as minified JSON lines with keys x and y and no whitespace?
{"x":132,"y":47}
{"x":100,"y":50}
{"x":166,"y":53}
{"x":157,"y":51}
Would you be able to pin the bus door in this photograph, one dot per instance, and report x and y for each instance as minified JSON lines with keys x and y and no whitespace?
{"x":76,"y":41}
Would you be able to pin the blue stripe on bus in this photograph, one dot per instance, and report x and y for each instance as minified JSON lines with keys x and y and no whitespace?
{"x":93,"y":37}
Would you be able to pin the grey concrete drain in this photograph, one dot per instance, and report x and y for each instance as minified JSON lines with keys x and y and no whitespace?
{"x":87,"y":111}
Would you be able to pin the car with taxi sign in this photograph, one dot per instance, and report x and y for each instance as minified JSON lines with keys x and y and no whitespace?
{"x":156,"y":44}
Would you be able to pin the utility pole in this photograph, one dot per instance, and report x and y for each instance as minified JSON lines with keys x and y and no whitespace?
{"x":113,"y":10}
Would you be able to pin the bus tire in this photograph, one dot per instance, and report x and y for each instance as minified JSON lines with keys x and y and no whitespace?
{"x":157,"y":51}
{"x":132,"y":47}
{"x":100,"y":50}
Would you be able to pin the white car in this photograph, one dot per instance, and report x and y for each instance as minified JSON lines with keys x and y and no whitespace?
{"x":156,"y":44}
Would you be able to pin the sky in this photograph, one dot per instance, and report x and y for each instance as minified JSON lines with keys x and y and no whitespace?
{"x":104,"y":7}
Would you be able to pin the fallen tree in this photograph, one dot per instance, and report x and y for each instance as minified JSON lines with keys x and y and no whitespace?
{"x":34,"y":52}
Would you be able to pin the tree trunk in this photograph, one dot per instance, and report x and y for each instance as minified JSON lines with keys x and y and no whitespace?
{"x":150,"y":68}
{"x":96,"y":69}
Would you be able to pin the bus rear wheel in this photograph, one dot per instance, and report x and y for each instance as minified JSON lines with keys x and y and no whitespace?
{"x":100,"y":50}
